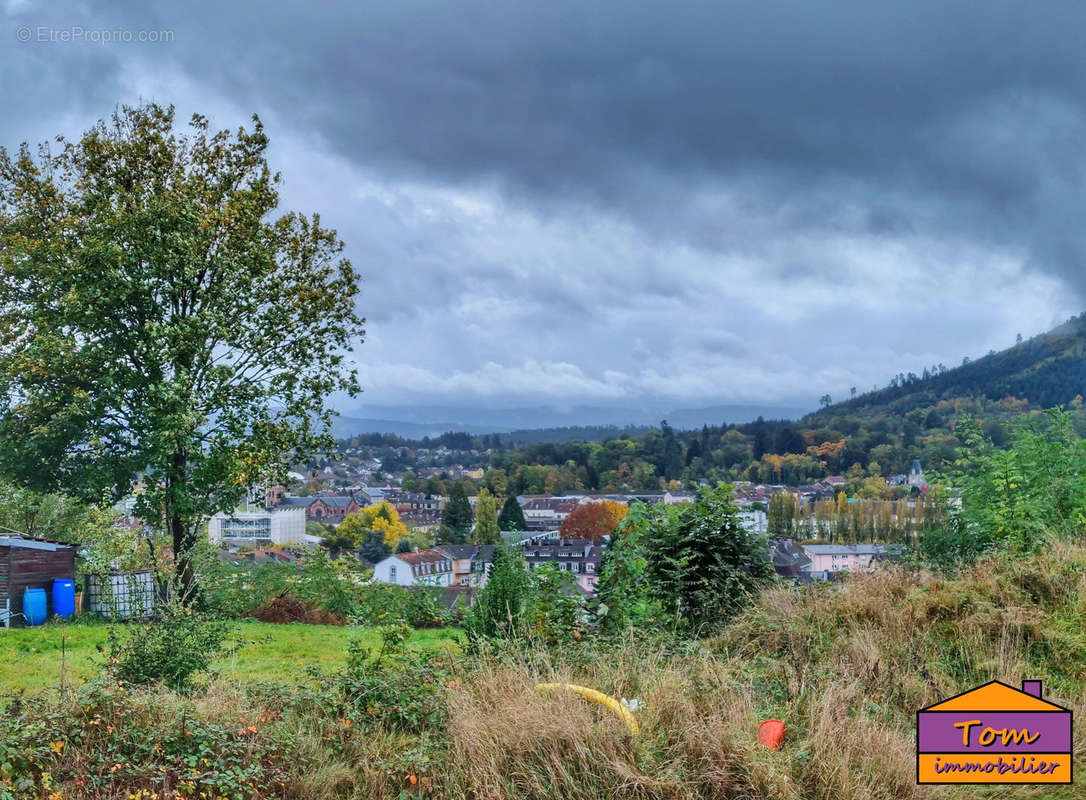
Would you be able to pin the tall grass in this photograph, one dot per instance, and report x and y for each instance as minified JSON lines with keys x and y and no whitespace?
{"x":845,"y":666}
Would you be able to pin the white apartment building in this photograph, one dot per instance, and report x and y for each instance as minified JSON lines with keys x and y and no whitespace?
{"x":421,"y":568}
{"x":258,"y":528}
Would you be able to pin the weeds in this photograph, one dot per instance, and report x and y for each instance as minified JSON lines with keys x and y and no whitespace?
{"x":846,"y":666}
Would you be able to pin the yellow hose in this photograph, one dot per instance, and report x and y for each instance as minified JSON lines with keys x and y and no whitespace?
{"x":599,"y":698}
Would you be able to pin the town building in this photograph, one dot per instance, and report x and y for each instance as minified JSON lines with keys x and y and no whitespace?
{"x":581,"y":557}
{"x":330,"y":509}
{"x":370,"y":495}
{"x":419,"y":507}
{"x":546,"y":513}
{"x":789,"y":559}
{"x":421,"y":568}
{"x":471,"y":563}
{"x":829,"y":559}
{"x":258,"y":528}
{"x":916,"y":477}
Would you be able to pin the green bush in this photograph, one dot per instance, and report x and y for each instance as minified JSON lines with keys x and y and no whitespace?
{"x":104,"y":742}
{"x":395,"y":688}
{"x":1012,"y":498}
{"x":500,"y":607}
{"x":692,"y":565}
{"x":171,"y":649}
{"x":386,"y":603}
{"x":330,"y":584}
{"x":626,"y":598}
{"x":557,"y":607}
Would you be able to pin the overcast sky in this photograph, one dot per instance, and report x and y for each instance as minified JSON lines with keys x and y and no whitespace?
{"x":603,"y":202}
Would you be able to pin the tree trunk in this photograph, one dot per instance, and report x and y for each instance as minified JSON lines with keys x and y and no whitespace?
{"x":183,"y":536}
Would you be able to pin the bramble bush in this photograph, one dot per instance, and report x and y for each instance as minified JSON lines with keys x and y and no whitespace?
{"x":172,"y":648}
{"x":104,"y":741}
{"x":397,"y":687}
{"x":387,"y":603}
{"x":331,"y":584}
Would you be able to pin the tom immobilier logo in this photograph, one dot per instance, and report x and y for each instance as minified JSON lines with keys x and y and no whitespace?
{"x":994,"y":734}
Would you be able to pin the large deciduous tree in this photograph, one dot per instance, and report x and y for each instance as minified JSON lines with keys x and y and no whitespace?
{"x":162,"y":323}
{"x":593,"y":520}
{"x":486,"y":519}
{"x":381,"y":517}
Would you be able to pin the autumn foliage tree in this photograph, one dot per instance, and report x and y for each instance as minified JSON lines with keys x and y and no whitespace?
{"x":486,"y":519}
{"x":594,"y":520}
{"x":162,"y":322}
{"x":382,"y":518}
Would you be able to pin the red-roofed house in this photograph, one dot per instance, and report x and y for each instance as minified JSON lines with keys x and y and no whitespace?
{"x":421,"y":568}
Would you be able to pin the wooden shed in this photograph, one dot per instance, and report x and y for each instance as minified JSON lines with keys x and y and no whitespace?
{"x":30,"y":564}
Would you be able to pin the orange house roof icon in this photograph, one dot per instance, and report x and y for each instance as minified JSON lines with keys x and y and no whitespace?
{"x":997,"y":696}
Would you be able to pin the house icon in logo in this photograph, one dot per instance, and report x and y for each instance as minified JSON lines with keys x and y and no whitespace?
{"x":994,"y":734}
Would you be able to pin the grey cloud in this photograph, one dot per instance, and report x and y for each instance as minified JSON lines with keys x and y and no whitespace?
{"x":663,"y":183}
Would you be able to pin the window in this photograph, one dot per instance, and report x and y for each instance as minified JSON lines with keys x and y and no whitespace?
{"x":247,"y":528}
{"x":392,"y":573}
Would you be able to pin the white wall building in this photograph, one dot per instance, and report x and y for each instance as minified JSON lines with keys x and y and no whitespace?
{"x":753,"y":520}
{"x":278,"y":527}
{"x":421,"y":568}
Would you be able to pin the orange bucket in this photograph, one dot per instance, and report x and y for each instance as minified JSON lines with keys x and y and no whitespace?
{"x":771,"y":733}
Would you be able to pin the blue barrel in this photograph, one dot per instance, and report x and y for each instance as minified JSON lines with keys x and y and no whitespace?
{"x":34,"y":606}
{"x":64,"y":597}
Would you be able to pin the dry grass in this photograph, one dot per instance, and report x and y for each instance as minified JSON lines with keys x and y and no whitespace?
{"x":844,"y":666}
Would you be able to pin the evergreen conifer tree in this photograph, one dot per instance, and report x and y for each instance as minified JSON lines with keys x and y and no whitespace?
{"x":511,"y":517}
{"x":457,"y":518}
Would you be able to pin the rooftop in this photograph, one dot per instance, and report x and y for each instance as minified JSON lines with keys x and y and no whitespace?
{"x":844,"y":549}
{"x":424,"y":557}
{"x":32,"y":544}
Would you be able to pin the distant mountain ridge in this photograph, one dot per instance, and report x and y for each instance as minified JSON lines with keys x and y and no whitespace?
{"x":415,"y":422}
{"x":1048,"y":370}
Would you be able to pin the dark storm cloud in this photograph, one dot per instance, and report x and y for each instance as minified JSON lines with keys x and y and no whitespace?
{"x":962,"y":117}
{"x":594,"y":179}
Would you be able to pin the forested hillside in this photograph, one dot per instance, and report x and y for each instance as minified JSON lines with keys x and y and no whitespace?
{"x":876,"y":434}
{"x":1048,"y":370}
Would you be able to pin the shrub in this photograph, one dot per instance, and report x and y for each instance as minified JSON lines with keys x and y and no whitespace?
{"x":693,"y":563}
{"x":625,"y":594}
{"x":704,"y":562}
{"x":1014,"y":498}
{"x":331,"y":584}
{"x":396,"y":687}
{"x":385,"y":603}
{"x":557,"y":607}
{"x":499,"y":607}
{"x":170,"y":649}
{"x":104,"y":742}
